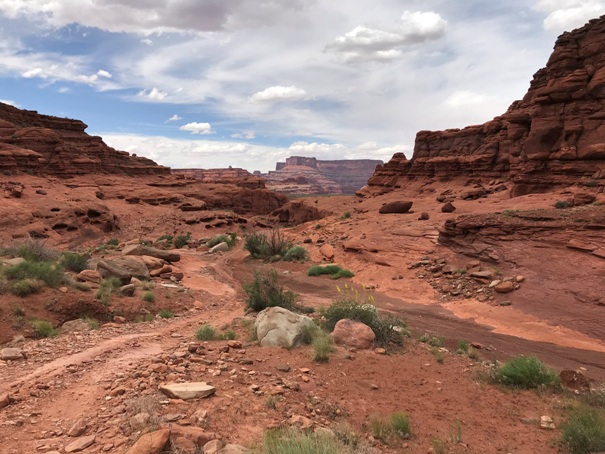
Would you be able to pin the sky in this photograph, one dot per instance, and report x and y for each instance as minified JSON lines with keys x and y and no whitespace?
{"x":247,"y":83}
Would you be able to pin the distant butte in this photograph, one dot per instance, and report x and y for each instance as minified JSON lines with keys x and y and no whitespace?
{"x":553,"y":137}
{"x":301,"y":175}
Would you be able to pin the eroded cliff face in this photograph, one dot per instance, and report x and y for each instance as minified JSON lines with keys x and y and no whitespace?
{"x":554,"y":136}
{"x":301,"y":175}
{"x":236,"y":176}
{"x":59,"y":146}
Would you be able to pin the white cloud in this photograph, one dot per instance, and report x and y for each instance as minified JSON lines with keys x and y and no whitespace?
{"x":34,"y":72}
{"x":147,"y":42}
{"x":372,"y":43}
{"x":197,"y":128}
{"x":154,"y":94}
{"x":465,"y":98}
{"x":278,"y":93}
{"x":10,"y":102}
{"x":103,"y":73}
{"x":565,"y":15}
{"x":244,"y":135}
{"x":175,"y":117}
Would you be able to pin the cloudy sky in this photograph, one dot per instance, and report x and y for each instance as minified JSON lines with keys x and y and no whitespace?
{"x":213,"y":83}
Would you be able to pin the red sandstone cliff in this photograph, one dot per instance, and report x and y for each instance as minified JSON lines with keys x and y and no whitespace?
{"x":237,"y":176}
{"x":59,"y":146}
{"x":554,"y":136}
{"x":303,"y":175}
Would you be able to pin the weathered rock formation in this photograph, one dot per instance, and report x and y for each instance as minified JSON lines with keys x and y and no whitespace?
{"x":59,"y":146}
{"x":300,"y":175}
{"x":554,"y":136}
{"x":237,"y":176}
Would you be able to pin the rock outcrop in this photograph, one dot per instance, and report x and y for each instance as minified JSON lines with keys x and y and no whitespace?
{"x":59,"y":146}
{"x":300,"y":175}
{"x":554,"y":136}
{"x":236,"y":176}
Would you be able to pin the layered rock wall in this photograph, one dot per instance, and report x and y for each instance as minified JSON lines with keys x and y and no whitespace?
{"x":60,"y":146}
{"x":554,"y":136}
{"x":237,"y":176}
{"x":312,"y":176}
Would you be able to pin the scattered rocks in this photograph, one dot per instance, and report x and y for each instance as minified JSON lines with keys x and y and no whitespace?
{"x":546,"y":422}
{"x":398,"y":207}
{"x":504,"y":287}
{"x":188,"y":390}
{"x":80,"y":444}
{"x":136,"y":249}
{"x":353,"y":334}
{"x":151,"y":443}
{"x":448,"y":208}
{"x":574,"y":380}
{"x":424,"y":216}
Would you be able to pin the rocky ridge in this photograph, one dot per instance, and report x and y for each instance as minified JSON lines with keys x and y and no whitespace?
{"x":237,"y":176}
{"x":553,"y":137}
{"x":60,"y":146}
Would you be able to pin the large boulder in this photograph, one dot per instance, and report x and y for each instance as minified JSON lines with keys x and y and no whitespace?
{"x":350,"y":333}
{"x":279,"y":327}
{"x":137,"y":249}
{"x":124,"y":268}
{"x":151,"y":443}
{"x":188,"y":390}
{"x":395,"y":207}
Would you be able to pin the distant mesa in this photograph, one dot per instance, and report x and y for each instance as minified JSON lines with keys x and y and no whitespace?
{"x":231,"y":175}
{"x":44,"y":144}
{"x":553,"y":137}
{"x":301,"y":175}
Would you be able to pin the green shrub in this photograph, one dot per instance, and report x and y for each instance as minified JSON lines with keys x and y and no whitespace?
{"x":292,"y":441}
{"x":32,"y":250}
{"x":277,"y":244}
{"x":256,"y":244}
{"x":25,"y":287}
{"x":463,"y":347}
{"x":438,"y":355}
{"x":164,"y":313}
{"x":387,"y":328}
{"x":74,"y":262}
{"x":182,"y":240}
{"x":82,"y":286}
{"x":230,"y":335}
{"x":107,"y":288}
{"x":397,"y":424}
{"x":335,"y":271}
{"x":346,"y":215}
{"x":92,"y":323}
{"x":400,"y":423}
{"x":168,"y":238}
{"x":526,"y":372}
{"x":114,"y":242}
{"x":49,"y":273}
{"x":296,"y":254}
{"x":206,"y":333}
{"x":322,"y":346}
{"x":560,"y":204}
{"x":266,"y":291}
{"x":43,"y":328}
{"x":584,"y":431}
{"x":18,"y":311}
{"x":217,"y":240}
{"x":149,"y":296}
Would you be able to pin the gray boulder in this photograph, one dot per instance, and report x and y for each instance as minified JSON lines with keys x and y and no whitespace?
{"x":278,"y":327}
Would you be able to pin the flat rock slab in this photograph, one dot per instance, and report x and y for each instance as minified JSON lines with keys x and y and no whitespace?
{"x":11,"y":354}
{"x":151,"y":443}
{"x":186,"y":391}
{"x":80,"y":444}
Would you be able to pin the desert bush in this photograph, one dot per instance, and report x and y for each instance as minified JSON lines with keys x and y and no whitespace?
{"x":560,"y":204}
{"x":526,"y":372}
{"x":292,"y":441}
{"x":256,"y":244}
{"x":164,"y":313}
{"x":266,"y":291}
{"x":584,"y":430}
{"x":230,"y":239}
{"x":49,"y":273}
{"x":335,"y":271}
{"x":229,"y":335}
{"x":387,"y":328}
{"x":107,"y":288}
{"x":92,"y":323}
{"x":114,"y":242}
{"x":167,"y":238}
{"x":25,"y":287}
{"x":322,"y":345}
{"x":74,"y":262}
{"x":463,"y":347}
{"x":82,"y":286}
{"x":149,"y":296}
{"x":277,"y":244}
{"x":397,"y":424}
{"x":32,"y":250}
{"x":346,"y":215}
{"x":43,"y":328}
{"x":182,"y":240}
{"x":296,"y":254}
{"x":206,"y":333}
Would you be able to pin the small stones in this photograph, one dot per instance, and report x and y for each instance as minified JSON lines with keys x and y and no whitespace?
{"x":283,"y":368}
{"x":547,"y":423}
{"x":80,"y":444}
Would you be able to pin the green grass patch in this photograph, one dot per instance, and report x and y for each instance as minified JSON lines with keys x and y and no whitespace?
{"x":323,"y":346}
{"x":74,"y":262}
{"x":296,"y":254}
{"x":107,"y":288}
{"x":526,"y":372}
{"x":335,"y":271}
{"x":50,"y":273}
{"x":181,"y":240}
{"x":292,"y":441}
{"x":164,"y":313}
{"x":149,"y":296}
{"x":206,"y":333}
{"x":230,"y":239}
{"x":25,"y":287}
{"x":584,"y":430}
{"x":43,"y":328}
{"x":31,"y":250}
{"x":386,"y":429}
